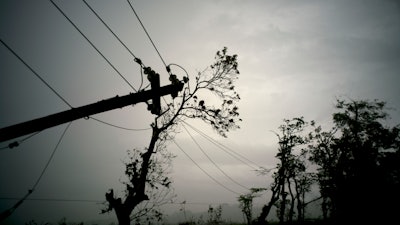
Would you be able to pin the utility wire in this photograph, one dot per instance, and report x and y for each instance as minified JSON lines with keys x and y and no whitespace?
{"x":205,"y":172}
{"x":116,"y":36}
{"x":51,"y":156}
{"x":9,"y":211}
{"x":226,"y":149}
{"x":87,"y":39}
{"x":144,"y":28}
{"x":101,"y":201}
{"x":119,"y":127}
{"x":212,"y":161}
{"x":56,"y":200}
{"x":18,"y":142}
{"x":136,"y":59}
{"x":34,"y":72}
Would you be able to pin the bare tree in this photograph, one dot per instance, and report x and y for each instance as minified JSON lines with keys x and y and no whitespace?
{"x":221,"y":113}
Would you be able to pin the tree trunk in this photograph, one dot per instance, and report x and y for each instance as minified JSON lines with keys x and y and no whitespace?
{"x":262,"y":219}
{"x":136,"y":194}
{"x":123,"y":217}
{"x":283,"y":202}
{"x":292,"y":201}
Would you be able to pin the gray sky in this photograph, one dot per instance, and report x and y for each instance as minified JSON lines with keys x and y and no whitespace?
{"x":295,"y":59}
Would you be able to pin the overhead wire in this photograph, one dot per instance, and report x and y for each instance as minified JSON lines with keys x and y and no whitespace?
{"x":226,"y":149}
{"x":101,"y":201}
{"x":212,"y":161}
{"x":184,"y":70}
{"x":34,"y":72}
{"x":54,"y":199}
{"x":204,"y":171}
{"x":147,"y":33}
{"x":91,"y":43}
{"x":120,"y":127}
{"x":151,"y":40}
{"x":9,"y":211}
{"x":136,"y":59}
{"x":16,"y":143}
{"x":51,"y":156}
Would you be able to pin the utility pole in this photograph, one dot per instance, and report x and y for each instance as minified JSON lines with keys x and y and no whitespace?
{"x":52,"y":120}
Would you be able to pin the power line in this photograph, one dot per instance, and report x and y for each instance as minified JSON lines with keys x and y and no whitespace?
{"x":8,"y":212}
{"x":18,"y":142}
{"x":212,"y":161}
{"x":51,"y":156}
{"x":205,"y":172}
{"x":226,"y":149}
{"x":87,"y":39}
{"x":56,"y":200}
{"x":34,"y":72}
{"x":144,"y":28}
{"x":137,"y":60}
{"x":119,"y":127}
{"x":101,"y":201}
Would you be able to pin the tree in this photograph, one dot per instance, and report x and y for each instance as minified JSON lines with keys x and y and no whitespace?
{"x":323,"y":153}
{"x":246,"y":203}
{"x":357,"y":171}
{"x":290,"y":169}
{"x":214,"y":215}
{"x":218,"y":79}
{"x":158,"y":184}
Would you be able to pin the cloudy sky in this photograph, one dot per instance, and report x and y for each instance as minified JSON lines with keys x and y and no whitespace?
{"x":295,"y":59}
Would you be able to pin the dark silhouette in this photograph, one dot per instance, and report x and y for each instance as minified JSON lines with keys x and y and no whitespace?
{"x":246,"y":203}
{"x":290,"y":176}
{"x":218,"y":79}
{"x":359,"y":167}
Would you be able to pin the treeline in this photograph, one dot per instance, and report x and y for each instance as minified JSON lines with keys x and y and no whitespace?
{"x":355,"y":164}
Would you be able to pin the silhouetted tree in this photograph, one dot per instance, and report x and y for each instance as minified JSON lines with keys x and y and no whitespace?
{"x":323,"y":153}
{"x":158,"y":186}
{"x":214,"y":215}
{"x":246,"y":203}
{"x":290,"y":169}
{"x":218,"y":79}
{"x":358,"y":170}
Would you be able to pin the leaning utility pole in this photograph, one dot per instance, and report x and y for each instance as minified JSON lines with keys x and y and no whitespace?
{"x":39,"y":124}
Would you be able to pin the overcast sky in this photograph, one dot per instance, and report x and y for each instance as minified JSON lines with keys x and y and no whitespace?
{"x":295,"y":59}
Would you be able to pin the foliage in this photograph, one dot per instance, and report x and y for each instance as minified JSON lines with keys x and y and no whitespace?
{"x":290,"y":176}
{"x":218,"y":79}
{"x":358,"y":164}
{"x":246,"y":205}
{"x":214,"y":215}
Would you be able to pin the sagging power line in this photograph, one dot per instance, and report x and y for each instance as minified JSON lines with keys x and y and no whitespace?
{"x":226,"y":149}
{"x":212,"y":161}
{"x":204,"y":171}
{"x":9,"y":211}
